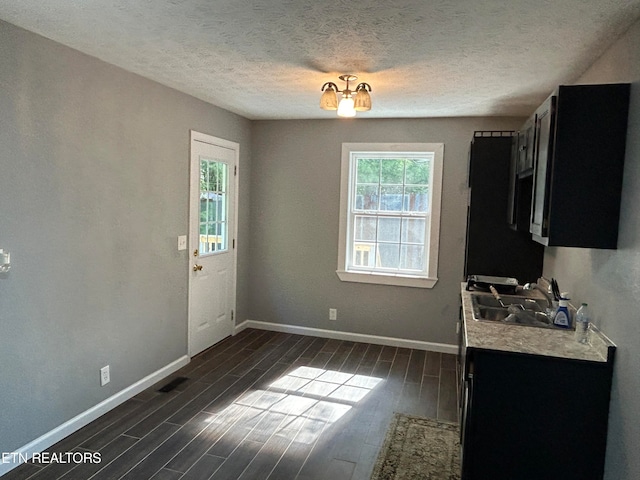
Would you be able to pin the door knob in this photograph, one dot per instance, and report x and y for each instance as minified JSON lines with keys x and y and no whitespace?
{"x":197,"y":268}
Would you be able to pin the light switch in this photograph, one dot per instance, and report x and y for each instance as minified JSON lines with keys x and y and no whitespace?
{"x":5,"y":261}
{"x":182,"y":242}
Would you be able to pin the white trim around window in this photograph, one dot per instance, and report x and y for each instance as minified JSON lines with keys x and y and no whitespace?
{"x":356,"y":262}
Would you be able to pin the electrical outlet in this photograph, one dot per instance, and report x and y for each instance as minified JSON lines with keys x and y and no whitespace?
{"x":333,"y":314}
{"x":105,"y":376}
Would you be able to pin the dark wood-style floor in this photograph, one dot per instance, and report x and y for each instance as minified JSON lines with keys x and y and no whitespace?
{"x":263,"y":405}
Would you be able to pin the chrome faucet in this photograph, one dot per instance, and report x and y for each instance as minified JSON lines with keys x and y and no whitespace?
{"x":535,"y":286}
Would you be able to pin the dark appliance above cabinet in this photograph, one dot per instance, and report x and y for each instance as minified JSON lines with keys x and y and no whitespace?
{"x":492,"y":246}
{"x":580,"y":135}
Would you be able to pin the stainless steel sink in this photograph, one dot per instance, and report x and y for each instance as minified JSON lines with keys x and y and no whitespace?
{"x":535,"y":304}
{"x":517,"y":310}
{"x":495,"y":314}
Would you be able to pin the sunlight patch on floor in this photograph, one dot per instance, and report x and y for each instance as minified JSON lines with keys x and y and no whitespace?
{"x":299,"y":405}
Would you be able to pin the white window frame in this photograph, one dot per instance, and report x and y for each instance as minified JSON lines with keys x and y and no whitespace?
{"x":432,"y":233}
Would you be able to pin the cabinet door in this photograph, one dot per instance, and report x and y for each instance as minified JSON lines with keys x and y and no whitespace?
{"x":525,"y":417}
{"x":467,"y":439}
{"x":520,"y":186}
{"x":512,"y":217}
{"x":543,"y":156}
{"x":527,"y":149}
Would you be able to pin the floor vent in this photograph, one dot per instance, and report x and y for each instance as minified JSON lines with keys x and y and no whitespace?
{"x":173,"y":384}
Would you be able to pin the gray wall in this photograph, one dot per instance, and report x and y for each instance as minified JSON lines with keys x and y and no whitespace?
{"x":295,"y":190}
{"x":93,"y":193}
{"x":609,"y":280}
{"x":94,"y":182}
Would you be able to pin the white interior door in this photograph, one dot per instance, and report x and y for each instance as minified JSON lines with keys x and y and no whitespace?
{"x":212,"y":227}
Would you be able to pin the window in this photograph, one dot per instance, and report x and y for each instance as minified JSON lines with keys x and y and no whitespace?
{"x":390,"y":213}
{"x":213,"y":206}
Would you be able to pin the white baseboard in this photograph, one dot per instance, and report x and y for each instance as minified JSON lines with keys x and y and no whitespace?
{"x":354,"y":337}
{"x":50,"y":438}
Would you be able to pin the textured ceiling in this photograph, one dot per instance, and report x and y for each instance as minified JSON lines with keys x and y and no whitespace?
{"x":268,"y":59}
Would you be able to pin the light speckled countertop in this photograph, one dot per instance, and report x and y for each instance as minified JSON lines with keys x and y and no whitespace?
{"x":560,"y":343}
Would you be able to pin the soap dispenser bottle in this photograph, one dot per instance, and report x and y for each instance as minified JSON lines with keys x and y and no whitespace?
{"x":562,"y":317}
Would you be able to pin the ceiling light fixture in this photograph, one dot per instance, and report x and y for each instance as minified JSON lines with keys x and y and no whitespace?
{"x":351,"y":102}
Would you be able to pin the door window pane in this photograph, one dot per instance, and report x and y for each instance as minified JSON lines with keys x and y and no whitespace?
{"x":213,"y":206}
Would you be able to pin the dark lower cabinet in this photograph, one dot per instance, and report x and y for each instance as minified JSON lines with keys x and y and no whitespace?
{"x":530,"y":417}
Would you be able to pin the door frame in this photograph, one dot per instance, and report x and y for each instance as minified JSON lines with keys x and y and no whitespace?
{"x":193,"y":242}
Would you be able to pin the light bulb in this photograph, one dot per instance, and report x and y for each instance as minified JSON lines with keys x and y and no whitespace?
{"x":345,"y":108}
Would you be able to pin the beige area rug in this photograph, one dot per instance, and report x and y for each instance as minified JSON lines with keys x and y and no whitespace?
{"x":418,"y":448}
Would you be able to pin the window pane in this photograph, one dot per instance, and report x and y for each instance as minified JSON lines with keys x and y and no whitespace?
{"x":367,"y":197}
{"x":368,"y":170}
{"x":391,"y":198}
{"x":413,"y":230}
{"x":365,"y":228}
{"x":416,"y":199}
{"x":417,"y":172}
{"x":392,"y":171}
{"x":389,"y":255}
{"x":412,"y":257}
{"x":364,"y":254}
{"x":389,"y":229}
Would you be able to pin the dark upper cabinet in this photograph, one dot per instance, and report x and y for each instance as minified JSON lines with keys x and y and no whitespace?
{"x":544,"y":118}
{"x":579,"y":148}
{"x":520,"y":178}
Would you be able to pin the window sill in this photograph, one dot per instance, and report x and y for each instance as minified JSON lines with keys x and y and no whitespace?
{"x":386,"y":279}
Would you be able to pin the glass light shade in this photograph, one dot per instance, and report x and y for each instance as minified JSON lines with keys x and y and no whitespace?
{"x":362,"y":101}
{"x":329,"y":99}
{"x":345,"y":109}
